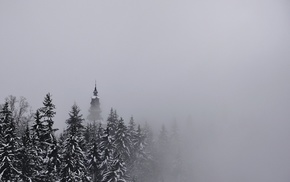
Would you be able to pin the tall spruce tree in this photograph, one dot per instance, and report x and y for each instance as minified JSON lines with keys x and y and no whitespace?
{"x":176,"y":163}
{"x":38,"y":130}
{"x":26,"y":156}
{"x":39,"y":146}
{"x":112,"y":122}
{"x":50,"y":145}
{"x":163,"y":154}
{"x":8,"y":147}
{"x":87,"y":133}
{"x":141,"y":168}
{"x":54,"y":162}
{"x":75,"y":122}
{"x":47,"y":114}
{"x":132,"y":127}
{"x":73,"y":163}
{"x":123,"y":141}
{"x":95,"y":156}
{"x":133,"y":137}
{"x":115,"y":145}
{"x":73,"y":167}
{"x":117,"y":172}
{"x":90,"y":135}
{"x":108,"y":149}
{"x":94,"y":161}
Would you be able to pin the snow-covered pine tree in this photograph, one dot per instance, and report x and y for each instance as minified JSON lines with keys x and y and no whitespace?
{"x":50,"y":146}
{"x":176,"y":170}
{"x":100,"y":131}
{"x":75,"y":122}
{"x":163,"y":154}
{"x":8,"y":147}
{"x":38,"y":132}
{"x":117,"y":172}
{"x":54,"y":162}
{"x":149,"y":140}
{"x":90,"y":134}
{"x":62,"y":137}
{"x":94,"y":161}
{"x":107,"y":149}
{"x":141,"y":167}
{"x":123,"y":141}
{"x":76,"y":127}
{"x":133,"y":137}
{"x":29,"y":160}
{"x":112,"y":122}
{"x":47,"y":114}
{"x":94,"y":156}
{"x":73,"y":166}
{"x":132,"y":127}
{"x":87,"y":133}
{"x":116,"y":135}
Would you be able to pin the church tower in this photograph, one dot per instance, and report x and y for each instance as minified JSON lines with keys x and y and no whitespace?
{"x":95,"y":110}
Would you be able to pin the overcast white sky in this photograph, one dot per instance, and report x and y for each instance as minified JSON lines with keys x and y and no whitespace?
{"x":224,"y":62}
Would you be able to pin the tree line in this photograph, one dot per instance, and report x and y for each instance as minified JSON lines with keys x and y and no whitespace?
{"x":114,"y":151}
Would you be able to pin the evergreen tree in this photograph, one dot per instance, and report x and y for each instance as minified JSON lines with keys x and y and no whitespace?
{"x":123,"y":141}
{"x":148,"y":139}
{"x":100,"y":132}
{"x":163,"y":154}
{"x":112,"y":122}
{"x":28,"y":157}
{"x":54,"y":162}
{"x":39,"y":147}
{"x":94,"y":161}
{"x":95,"y":156}
{"x":8,"y":147}
{"x":117,"y":171}
{"x":87,"y":133}
{"x":47,"y":113}
{"x":175,"y":154}
{"x":108,"y":149}
{"x":90,"y":135}
{"x":133,"y":137}
{"x":50,"y":147}
{"x":38,"y":130}
{"x":115,"y":145}
{"x":141,"y":168}
{"x":75,"y":126}
{"x":62,"y":137}
{"x":150,"y":167}
{"x":73,"y":165}
{"x":132,"y":127}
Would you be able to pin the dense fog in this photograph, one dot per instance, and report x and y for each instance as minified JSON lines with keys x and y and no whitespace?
{"x":219,"y":69}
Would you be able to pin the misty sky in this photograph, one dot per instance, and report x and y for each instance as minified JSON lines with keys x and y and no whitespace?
{"x":224,"y":63}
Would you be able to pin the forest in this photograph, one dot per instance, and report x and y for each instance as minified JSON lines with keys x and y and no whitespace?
{"x":114,"y":150}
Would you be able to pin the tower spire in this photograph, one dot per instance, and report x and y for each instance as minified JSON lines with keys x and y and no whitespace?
{"x":95,"y":110}
{"x":95,"y":91}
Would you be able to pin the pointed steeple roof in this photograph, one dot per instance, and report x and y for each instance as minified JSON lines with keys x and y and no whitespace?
{"x":95,"y":91}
